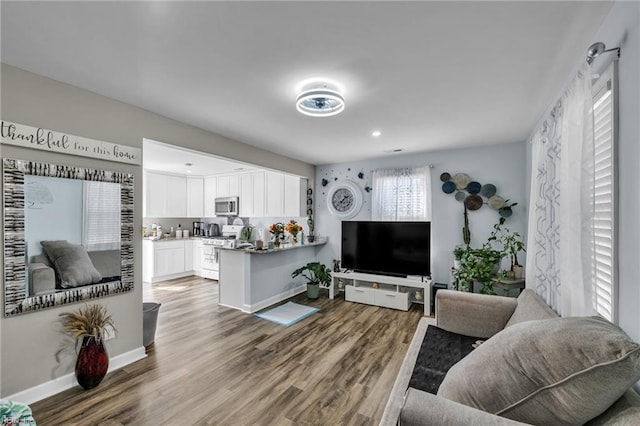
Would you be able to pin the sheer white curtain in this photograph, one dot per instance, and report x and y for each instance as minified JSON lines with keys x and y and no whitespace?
{"x":560,"y":244}
{"x":401,"y":194}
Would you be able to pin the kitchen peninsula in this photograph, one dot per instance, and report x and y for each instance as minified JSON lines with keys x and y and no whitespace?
{"x":251,"y":280}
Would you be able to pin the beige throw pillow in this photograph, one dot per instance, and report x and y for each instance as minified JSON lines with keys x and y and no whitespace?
{"x":560,"y":371}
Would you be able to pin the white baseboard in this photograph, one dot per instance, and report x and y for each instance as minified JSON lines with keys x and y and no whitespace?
{"x":275,"y":299}
{"x":57,"y":385}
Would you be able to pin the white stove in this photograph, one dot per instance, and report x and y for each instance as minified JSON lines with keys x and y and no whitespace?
{"x":211,"y":250}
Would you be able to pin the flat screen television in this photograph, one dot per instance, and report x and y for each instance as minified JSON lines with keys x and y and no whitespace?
{"x":387,"y":248}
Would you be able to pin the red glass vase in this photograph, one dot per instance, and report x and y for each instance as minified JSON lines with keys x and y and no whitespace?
{"x":92,"y":363}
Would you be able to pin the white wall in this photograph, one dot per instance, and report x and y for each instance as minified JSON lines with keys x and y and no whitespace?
{"x":502,"y":165}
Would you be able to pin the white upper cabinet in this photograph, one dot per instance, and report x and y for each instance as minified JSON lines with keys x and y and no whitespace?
{"x":210,"y":194}
{"x":274,"y":194}
{"x":295,"y":196}
{"x":195,"y":197}
{"x":228,"y":186}
{"x":258,"y":181}
{"x":154,"y":193}
{"x":164,"y":195}
{"x":246,"y":195}
{"x":176,"y":196}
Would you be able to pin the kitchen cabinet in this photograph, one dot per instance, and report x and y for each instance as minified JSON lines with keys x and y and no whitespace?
{"x":252,"y":194}
{"x":188,"y":256}
{"x":198,"y":248}
{"x":295,"y":196}
{"x":168,"y":259}
{"x":274,"y":194}
{"x":176,"y":204}
{"x":210,"y":194}
{"x":259,"y":192}
{"x":164,"y":195}
{"x":155,"y":195}
{"x":246,"y":195}
{"x":195,"y":197}
{"x":228,"y":186}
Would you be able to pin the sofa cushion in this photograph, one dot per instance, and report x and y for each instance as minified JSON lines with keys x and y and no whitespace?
{"x":72,"y":263}
{"x":554,"y":371}
{"x":530,"y":307}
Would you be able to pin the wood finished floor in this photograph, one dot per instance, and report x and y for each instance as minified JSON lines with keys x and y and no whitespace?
{"x":218,"y":366}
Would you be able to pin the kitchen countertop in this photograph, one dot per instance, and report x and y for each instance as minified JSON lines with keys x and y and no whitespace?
{"x":283,"y":247}
{"x":172,"y":239}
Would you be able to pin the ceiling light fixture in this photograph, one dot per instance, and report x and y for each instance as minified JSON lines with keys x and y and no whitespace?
{"x":597,"y":49}
{"x":376,"y":133}
{"x":320,"y":102}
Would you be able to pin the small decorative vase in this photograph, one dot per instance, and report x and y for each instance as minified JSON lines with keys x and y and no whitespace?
{"x":294,"y":239}
{"x":92,"y":363}
{"x":276,"y":242}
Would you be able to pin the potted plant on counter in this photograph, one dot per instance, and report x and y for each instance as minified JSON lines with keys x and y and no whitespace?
{"x":316,"y":274}
{"x":293,"y":228}
{"x":277,"y":230}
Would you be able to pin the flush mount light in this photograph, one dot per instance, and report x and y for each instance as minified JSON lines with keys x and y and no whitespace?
{"x":320,"y":102}
{"x":376,"y":133}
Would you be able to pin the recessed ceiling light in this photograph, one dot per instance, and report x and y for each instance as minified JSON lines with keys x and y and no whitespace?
{"x":320,"y":102}
{"x":189,"y":171}
{"x":376,"y":133}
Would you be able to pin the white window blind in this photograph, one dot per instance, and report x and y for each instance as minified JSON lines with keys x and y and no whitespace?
{"x":101,"y":216}
{"x":402,"y":194}
{"x":604,"y":225}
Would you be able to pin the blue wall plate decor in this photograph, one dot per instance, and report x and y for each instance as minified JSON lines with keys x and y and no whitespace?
{"x":448,"y":187}
{"x":474,"y":187}
{"x":460,"y":196}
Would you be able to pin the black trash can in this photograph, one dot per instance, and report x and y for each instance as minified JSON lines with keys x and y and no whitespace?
{"x":149,"y":322}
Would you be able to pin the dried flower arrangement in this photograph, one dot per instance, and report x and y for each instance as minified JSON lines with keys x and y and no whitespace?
{"x":88,"y":321}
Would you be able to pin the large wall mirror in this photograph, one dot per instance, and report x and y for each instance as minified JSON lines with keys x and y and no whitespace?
{"x":68,"y":234}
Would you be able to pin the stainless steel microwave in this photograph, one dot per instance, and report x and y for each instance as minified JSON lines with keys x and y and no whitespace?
{"x":227,"y":206}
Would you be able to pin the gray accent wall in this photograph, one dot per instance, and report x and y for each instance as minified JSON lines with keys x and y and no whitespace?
{"x":28,"y":343}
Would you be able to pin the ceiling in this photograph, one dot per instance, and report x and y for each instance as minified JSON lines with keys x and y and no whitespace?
{"x":166,"y":158}
{"x":428,"y":75}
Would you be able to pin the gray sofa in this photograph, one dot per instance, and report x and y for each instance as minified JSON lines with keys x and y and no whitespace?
{"x":43,"y":278}
{"x":486,"y":316}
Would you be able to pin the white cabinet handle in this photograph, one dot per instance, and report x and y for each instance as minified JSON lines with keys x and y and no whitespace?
{"x":390,"y":294}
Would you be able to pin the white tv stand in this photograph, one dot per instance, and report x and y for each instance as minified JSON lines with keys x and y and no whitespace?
{"x":382,"y":290}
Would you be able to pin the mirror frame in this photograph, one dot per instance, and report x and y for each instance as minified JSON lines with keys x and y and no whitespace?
{"x":16,"y":300}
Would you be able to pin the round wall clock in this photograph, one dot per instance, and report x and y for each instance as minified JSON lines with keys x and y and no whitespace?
{"x":344,"y":199}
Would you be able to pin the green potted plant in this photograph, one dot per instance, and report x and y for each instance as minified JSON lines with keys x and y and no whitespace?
{"x":316,"y":274}
{"x":512,"y":244}
{"x":476,"y":265}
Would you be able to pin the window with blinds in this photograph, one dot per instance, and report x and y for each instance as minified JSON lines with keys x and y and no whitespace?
{"x":604,"y":225}
{"x":101,"y":216}
{"x":401,"y":194}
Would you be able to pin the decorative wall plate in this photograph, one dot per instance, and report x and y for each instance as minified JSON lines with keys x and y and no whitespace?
{"x":344,"y":199}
